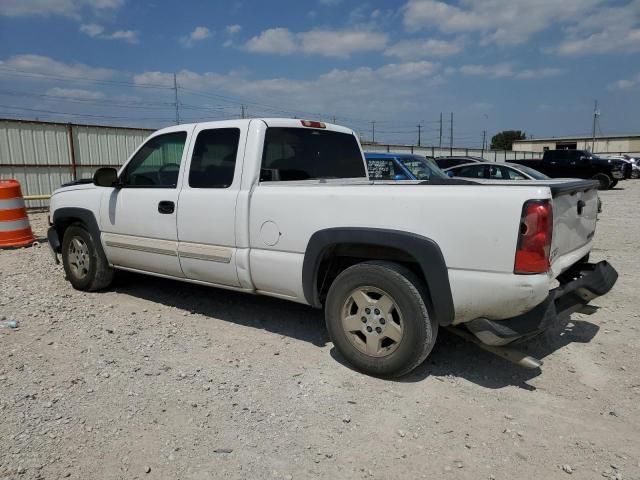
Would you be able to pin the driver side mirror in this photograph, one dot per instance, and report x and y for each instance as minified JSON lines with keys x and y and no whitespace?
{"x":450,"y":174}
{"x":400,"y":176}
{"x":106,"y":177}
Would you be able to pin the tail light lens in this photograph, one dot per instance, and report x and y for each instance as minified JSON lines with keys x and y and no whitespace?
{"x":534,"y":238}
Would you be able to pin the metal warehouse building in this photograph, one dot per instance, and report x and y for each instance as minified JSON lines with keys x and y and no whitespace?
{"x":611,"y":144}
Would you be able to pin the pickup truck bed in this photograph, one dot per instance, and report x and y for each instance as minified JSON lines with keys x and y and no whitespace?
{"x":285,"y":208}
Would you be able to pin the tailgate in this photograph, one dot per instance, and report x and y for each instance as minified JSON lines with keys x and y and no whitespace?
{"x":575,"y":210}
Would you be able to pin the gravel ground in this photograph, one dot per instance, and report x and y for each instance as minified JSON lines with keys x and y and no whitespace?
{"x":159,"y":379}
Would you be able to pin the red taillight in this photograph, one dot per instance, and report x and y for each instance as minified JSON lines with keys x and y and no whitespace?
{"x":312,"y":124}
{"x":534,"y":238}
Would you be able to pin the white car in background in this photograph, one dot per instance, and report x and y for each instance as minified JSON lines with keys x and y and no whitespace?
{"x":634,"y":162}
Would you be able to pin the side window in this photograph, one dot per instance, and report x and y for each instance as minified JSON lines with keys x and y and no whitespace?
{"x":472,"y":171}
{"x":381,"y":169}
{"x":157,"y":163}
{"x":310,"y":154}
{"x":512,"y":174}
{"x":496,"y":173}
{"x":213,"y":161}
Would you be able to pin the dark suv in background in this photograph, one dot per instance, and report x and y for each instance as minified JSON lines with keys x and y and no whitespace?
{"x":580,"y":164}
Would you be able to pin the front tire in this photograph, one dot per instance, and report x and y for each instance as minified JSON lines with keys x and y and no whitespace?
{"x":605,"y":181}
{"x":86,"y":266}
{"x":613,"y":184}
{"x":377,"y":318}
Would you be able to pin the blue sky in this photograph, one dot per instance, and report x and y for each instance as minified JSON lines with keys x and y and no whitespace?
{"x":537,"y":65}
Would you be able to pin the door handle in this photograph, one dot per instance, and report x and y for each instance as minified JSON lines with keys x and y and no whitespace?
{"x":166,"y":206}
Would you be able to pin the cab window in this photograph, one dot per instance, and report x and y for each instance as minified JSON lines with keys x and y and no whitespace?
{"x":213,"y":162}
{"x":157,"y":163}
{"x":310,"y":154}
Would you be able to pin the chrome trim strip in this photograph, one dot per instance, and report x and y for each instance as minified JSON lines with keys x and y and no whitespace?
{"x":210,"y":253}
{"x":141,"y":244}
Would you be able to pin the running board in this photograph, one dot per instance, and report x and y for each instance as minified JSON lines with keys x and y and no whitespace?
{"x":513,"y":356}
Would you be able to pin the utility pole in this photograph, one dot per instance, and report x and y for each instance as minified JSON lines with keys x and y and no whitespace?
{"x":373,"y":131}
{"x":596,"y":114}
{"x":333,"y":119}
{"x":484,"y":137}
{"x":241,"y":111}
{"x":451,"y":137}
{"x":419,"y":132}
{"x":175,"y":90}
{"x":440,"y":143}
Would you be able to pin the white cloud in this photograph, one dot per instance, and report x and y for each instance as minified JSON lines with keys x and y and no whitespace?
{"x":329,"y":43}
{"x":67,"y":8}
{"x":97,"y":31}
{"x":332,"y":43}
{"x":233,"y":29}
{"x":610,"y":29}
{"x":546,"y":72}
{"x":626,"y":83}
{"x":408,"y":71}
{"x":498,"y":70}
{"x":390,"y":88}
{"x":130,"y":36}
{"x":75,"y":93}
{"x":411,"y":49}
{"x":91,"y":29}
{"x":274,"y":40}
{"x":38,"y":64}
{"x":504,"y":22}
{"x":504,"y":70}
{"x":197,"y":35}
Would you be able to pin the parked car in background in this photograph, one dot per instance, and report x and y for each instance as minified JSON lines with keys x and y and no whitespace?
{"x":448,"y":162}
{"x":634,"y":162}
{"x":495,"y":171}
{"x":580,"y":164}
{"x":401,"y":166}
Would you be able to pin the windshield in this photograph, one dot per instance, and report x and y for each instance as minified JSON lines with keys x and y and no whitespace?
{"x":421,"y":168}
{"x":532,"y":173}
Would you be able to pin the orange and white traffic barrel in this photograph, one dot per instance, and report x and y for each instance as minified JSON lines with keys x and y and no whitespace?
{"x":15,"y":230}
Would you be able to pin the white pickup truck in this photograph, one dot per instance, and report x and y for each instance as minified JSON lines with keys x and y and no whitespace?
{"x":285,"y":208}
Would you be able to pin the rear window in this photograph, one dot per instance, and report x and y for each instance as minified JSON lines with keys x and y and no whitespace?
{"x":308,"y":154}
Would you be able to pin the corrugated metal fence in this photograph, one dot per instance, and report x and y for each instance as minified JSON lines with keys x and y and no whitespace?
{"x":489,"y":155}
{"x":44,"y":155}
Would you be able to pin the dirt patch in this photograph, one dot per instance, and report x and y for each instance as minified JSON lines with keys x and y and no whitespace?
{"x":159,"y":379}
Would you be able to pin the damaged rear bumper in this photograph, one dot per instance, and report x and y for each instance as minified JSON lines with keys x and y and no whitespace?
{"x":578,"y":286}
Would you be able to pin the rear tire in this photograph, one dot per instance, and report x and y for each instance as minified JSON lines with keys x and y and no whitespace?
{"x":84,"y":262}
{"x":604,"y":179}
{"x":613,"y":184}
{"x":377,"y":318}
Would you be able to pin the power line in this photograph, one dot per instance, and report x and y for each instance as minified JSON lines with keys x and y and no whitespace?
{"x":88,"y":115}
{"x":97,"y":101}
{"x":22,"y":73}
